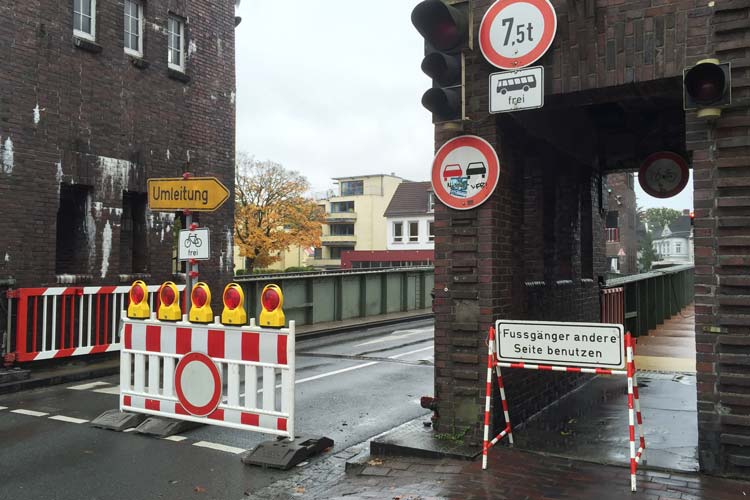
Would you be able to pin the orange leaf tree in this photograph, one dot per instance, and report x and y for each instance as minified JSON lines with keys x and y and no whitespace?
{"x":272,"y":211}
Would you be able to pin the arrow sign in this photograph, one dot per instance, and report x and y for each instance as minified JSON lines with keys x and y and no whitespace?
{"x":200,"y":194}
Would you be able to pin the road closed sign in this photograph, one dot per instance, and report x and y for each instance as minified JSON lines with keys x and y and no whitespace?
{"x":516,"y":33}
{"x":465,"y":172}
{"x":597,"y":345}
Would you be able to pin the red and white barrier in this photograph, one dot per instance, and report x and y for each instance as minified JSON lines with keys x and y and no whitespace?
{"x":198,"y":372}
{"x":634,"y":408}
{"x":58,"y":322}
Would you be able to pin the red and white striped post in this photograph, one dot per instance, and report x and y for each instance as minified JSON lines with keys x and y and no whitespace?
{"x":507,"y":431}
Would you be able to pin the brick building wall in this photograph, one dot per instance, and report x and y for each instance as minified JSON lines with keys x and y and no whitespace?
{"x":82,"y":130}
{"x":622,"y":210}
{"x":506,"y":259}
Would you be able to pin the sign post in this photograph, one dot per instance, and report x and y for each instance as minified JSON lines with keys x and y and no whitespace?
{"x":597,"y":348}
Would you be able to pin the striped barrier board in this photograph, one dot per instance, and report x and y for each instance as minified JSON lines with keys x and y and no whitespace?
{"x":60,"y":322}
{"x":561,"y":331}
{"x":210,"y":374}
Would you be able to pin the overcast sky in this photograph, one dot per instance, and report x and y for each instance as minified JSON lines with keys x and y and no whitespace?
{"x":333,"y":89}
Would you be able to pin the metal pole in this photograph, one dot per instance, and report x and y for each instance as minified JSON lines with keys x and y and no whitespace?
{"x":188,"y":268}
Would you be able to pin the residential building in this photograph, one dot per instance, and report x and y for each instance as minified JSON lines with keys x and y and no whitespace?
{"x":354,"y":217}
{"x":294,"y":256}
{"x":674,"y":243}
{"x":620,"y":224}
{"x":410,"y":231}
{"x":98,"y":97}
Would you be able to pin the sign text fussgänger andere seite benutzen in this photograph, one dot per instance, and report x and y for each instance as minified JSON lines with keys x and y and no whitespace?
{"x":565,"y":344}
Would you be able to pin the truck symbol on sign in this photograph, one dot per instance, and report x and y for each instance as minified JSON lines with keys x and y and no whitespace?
{"x":516,"y":83}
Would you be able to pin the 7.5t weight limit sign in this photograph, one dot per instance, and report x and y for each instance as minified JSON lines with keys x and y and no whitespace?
{"x":515,"y":33}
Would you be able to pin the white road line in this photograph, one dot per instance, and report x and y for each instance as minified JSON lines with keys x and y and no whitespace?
{"x":176,"y":439}
{"x":86,"y":387}
{"x":63,"y":418}
{"x":131,"y":429}
{"x":398,"y":334}
{"x":109,"y":390}
{"x":3,"y":407}
{"x":30,"y":413}
{"x":220,"y":447}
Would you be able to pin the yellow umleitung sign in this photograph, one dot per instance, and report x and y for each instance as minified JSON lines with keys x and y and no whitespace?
{"x":200,"y":194}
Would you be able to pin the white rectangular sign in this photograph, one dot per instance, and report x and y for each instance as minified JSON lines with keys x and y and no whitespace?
{"x":598,"y":345}
{"x":194,"y":244}
{"x":517,"y":90}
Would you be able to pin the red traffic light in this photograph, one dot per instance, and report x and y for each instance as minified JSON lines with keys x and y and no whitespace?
{"x":232,"y":298}
{"x":444,"y":27}
{"x":199,"y":296}
{"x":270,"y":299}
{"x":705,"y":83}
{"x":167,"y":295}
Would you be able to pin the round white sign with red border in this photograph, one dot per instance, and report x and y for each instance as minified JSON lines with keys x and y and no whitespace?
{"x":465,"y":172}
{"x":197,"y":382}
{"x":663,"y":174}
{"x":516,"y":33}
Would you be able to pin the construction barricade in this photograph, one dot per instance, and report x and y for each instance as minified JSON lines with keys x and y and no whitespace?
{"x":209,"y":374}
{"x":59,"y":322}
{"x":556,"y":344}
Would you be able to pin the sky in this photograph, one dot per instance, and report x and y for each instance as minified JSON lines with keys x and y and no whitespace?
{"x":681,"y":201}
{"x":333,"y":89}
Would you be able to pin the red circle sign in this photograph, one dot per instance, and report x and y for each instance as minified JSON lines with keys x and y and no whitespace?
{"x":663,"y":174}
{"x":515,"y":33}
{"x":197,"y":382}
{"x":465,"y":172}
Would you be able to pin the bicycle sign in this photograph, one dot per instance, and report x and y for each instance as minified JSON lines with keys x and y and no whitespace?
{"x":194,"y":244}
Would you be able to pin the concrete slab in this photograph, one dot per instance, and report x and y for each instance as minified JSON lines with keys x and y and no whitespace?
{"x":415,"y":439}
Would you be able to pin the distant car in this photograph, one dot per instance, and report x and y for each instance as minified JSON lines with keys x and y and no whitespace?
{"x":476,"y":168}
{"x":452,"y":170}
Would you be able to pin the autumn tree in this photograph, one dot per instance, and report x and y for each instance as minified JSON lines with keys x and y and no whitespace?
{"x":272,"y":211}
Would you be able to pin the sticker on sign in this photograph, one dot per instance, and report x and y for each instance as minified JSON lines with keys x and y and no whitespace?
{"x":562,"y":344}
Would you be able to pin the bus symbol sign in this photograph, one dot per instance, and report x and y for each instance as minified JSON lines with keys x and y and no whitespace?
{"x":517,"y":90}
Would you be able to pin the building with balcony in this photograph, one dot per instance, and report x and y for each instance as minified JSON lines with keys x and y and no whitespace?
{"x":620,"y":224}
{"x":354,"y":217}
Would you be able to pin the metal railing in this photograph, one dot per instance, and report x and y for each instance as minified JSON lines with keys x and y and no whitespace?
{"x":643,"y":301}
{"x":319,"y":297}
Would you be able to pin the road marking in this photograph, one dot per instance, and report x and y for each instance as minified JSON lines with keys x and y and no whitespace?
{"x":30,"y":413}
{"x":176,"y":439}
{"x":398,"y":334}
{"x":63,"y":418}
{"x":109,"y":390}
{"x":86,"y":387}
{"x":220,"y":447}
{"x":3,"y":407}
{"x":131,"y":429}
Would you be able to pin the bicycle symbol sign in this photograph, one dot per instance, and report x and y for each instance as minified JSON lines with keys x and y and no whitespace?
{"x":194,"y":244}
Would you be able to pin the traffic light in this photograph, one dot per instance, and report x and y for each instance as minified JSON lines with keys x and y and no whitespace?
{"x":234,"y":305}
{"x":692,"y":218}
{"x":707,"y":87}
{"x":138,"y":307}
{"x":200,"y":310}
{"x":271,"y":300}
{"x":169,"y":296}
{"x":445,"y":29}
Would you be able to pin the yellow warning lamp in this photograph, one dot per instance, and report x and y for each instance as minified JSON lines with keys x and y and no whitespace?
{"x":200,"y":311}
{"x":234,"y":305}
{"x":169,"y":296}
{"x":138,"y":307}
{"x":271,"y":301}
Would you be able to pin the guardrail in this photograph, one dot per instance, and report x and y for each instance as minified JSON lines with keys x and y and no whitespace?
{"x":643,"y":301}
{"x":319,"y":297}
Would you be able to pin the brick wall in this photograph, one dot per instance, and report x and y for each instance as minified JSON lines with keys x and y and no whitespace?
{"x":621,"y":198}
{"x":108,"y":122}
{"x":510,"y":258}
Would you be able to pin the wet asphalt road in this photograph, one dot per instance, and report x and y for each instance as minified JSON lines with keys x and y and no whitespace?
{"x":350,"y":387}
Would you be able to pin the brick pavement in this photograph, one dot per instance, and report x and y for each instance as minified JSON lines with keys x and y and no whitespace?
{"x":512,"y":475}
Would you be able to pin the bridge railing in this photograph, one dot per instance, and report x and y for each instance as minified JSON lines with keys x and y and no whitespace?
{"x":642,"y":301}
{"x":320,"y":297}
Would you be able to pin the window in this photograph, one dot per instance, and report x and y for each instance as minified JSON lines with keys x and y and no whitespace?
{"x":76,"y":229}
{"x":612,"y":219}
{"x":133,"y":234}
{"x":398,"y":232}
{"x":677,"y":248}
{"x":176,"y":44}
{"x":84,"y":19}
{"x":352,"y":188}
{"x":133,"y":31}
{"x":614,"y":264}
{"x":413,"y":231}
{"x":337,"y":251}
{"x":342,"y":229}
{"x":431,"y":230}
{"x":338,"y":207}
{"x":431,"y":202}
